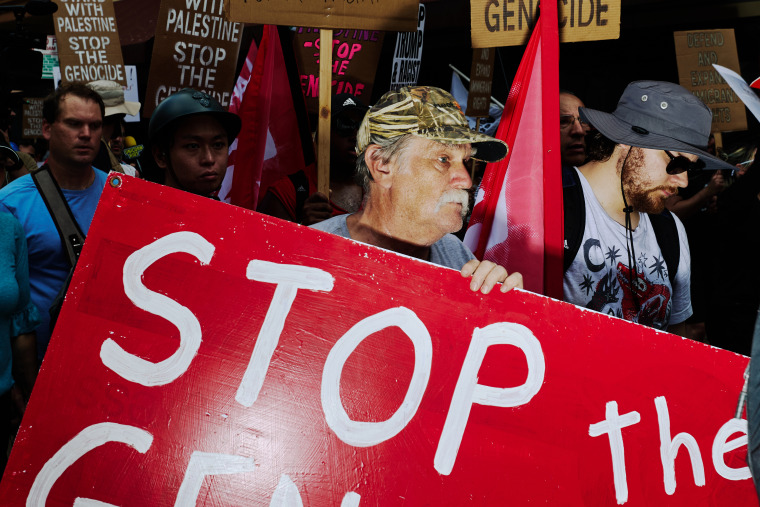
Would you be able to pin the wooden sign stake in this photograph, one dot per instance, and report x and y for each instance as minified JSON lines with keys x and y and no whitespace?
{"x":325,"y":96}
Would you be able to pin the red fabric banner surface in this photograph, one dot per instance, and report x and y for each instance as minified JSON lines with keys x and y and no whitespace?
{"x":517,"y":217}
{"x":209,"y":354}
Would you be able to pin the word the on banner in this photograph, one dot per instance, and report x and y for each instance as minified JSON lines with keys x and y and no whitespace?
{"x":385,"y":15}
{"x":195,"y":47}
{"x":88,"y":41}
{"x":210,"y":355}
{"x":509,"y":22}
{"x":696,"y":52}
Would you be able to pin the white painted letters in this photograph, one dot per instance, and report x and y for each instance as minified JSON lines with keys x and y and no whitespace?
{"x":669,"y":449}
{"x":286,"y":494}
{"x":203,"y":464}
{"x":365,"y":434}
{"x":612,"y":424}
{"x":468,"y":391}
{"x":87,"y":440}
{"x":134,"y":368}
{"x":289,"y":278}
{"x":721,"y":446}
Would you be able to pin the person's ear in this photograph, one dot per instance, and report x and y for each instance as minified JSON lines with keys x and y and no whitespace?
{"x":46,"y":127}
{"x":380,"y":170}
{"x":160,"y":157}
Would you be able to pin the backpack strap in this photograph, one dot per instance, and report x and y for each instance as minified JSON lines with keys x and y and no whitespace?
{"x":575,"y":214}
{"x":666,"y":232}
{"x":301,"y":185}
{"x":71,"y":234}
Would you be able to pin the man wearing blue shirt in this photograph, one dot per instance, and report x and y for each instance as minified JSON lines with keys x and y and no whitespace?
{"x":73,"y":118}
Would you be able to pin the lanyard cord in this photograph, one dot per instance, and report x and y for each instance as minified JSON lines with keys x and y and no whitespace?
{"x":633,"y":272}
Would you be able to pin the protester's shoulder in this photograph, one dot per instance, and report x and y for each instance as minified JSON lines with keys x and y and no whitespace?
{"x":17,"y":189}
{"x":334,"y":225}
{"x":449,"y":251}
{"x":452,"y":243}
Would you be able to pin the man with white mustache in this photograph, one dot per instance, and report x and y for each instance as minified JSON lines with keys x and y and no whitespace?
{"x":413,"y":149}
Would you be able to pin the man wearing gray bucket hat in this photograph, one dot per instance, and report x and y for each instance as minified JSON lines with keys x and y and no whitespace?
{"x":413,"y":147}
{"x":625,"y":255}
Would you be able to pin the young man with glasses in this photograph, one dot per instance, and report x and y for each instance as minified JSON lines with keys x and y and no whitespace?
{"x":295,"y":197}
{"x":572,"y":130}
{"x":627,"y":261}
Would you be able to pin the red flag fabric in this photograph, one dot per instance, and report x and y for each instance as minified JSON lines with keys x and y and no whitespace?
{"x":270,"y":144}
{"x":517,"y":217}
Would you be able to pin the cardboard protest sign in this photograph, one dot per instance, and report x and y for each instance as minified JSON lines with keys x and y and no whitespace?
{"x":355,"y":57}
{"x":408,"y":54}
{"x":32,"y":117}
{"x":509,"y":23}
{"x":88,"y":41}
{"x":388,"y":15}
{"x":209,"y":354}
{"x":481,"y":80}
{"x":696,"y":52}
{"x":195,"y":47}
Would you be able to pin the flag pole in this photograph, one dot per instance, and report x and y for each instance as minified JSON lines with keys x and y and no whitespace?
{"x":325,"y":95}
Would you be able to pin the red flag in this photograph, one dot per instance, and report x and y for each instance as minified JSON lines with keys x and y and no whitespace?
{"x":517,"y":218}
{"x":271,"y":143}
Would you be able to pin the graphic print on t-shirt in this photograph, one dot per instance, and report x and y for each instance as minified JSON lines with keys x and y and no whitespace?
{"x":618,"y":290}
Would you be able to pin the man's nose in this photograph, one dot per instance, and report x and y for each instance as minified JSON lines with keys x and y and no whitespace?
{"x":681,"y":179}
{"x":460,"y":177}
{"x":207,"y":154}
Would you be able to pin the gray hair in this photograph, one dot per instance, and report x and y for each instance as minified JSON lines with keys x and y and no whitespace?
{"x":389,"y":148}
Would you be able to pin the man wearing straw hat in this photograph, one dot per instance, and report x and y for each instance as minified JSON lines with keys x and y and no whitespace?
{"x":413,"y":149}
{"x":630,"y":257}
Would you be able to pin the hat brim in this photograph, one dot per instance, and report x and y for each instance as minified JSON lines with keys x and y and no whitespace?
{"x":622,"y":132}
{"x":127,"y":108}
{"x":486,"y":148}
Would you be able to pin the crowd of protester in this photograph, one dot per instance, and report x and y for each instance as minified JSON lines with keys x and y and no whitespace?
{"x":400,"y":180}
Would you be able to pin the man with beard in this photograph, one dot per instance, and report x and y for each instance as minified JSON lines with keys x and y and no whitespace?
{"x":72,"y":125}
{"x":625,"y":255}
{"x":572,"y":130}
{"x":295,"y":197}
{"x":413,"y":148}
{"x":190,"y":134}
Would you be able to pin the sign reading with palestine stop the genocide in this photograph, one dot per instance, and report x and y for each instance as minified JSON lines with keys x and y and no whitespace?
{"x":210,"y":355}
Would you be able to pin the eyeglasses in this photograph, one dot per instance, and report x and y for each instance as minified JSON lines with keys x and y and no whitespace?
{"x":679,"y":164}
{"x":566,"y":121}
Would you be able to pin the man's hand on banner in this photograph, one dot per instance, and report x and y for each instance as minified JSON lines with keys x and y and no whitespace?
{"x":484,"y":275}
{"x":316,"y":208}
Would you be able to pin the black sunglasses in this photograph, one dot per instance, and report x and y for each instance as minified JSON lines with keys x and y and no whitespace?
{"x":679,"y":164}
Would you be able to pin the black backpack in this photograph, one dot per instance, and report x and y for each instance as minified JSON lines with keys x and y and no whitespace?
{"x":663,"y":224}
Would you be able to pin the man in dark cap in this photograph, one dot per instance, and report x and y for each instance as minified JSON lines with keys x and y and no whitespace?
{"x":625,"y":255}
{"x":413,"y":148}
{"x":190,"y":133}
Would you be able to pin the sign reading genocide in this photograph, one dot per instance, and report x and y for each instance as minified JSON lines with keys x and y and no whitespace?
{"x":408,"y":54}
{"x":383,"y":15}
{"x":481,"y":80}
{"x":88,"y":41}
{"x":32,"y":117}
{"x":508,"y":22}
{"x":696,"y":52}
{"x":223,"y":357}
{"x":195,"y":47}
{"x":355,"y":57}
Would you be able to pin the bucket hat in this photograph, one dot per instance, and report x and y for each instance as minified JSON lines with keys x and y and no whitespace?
{"x":427,"y":112}
{"x":113,"y":98}
{"x":661,"y":116}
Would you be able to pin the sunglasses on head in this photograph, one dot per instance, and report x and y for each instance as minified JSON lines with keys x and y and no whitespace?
{"x":679,"y":164}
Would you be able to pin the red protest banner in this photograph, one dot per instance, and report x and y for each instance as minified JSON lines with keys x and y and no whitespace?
{"x":271,"y":363}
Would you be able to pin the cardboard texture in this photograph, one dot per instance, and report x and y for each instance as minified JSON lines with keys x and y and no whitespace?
{"x":481,"y":80}
{"x":88,"y":41}
{"x":195,"y":47}
{"x":355,"y":57}
{"x":696,"y":52}
{"x":32,"y":117}
{"x":385,"y":15}
{"x":273,"y":362}
{"x":407,"y":55}
{"x":509,"y":23}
